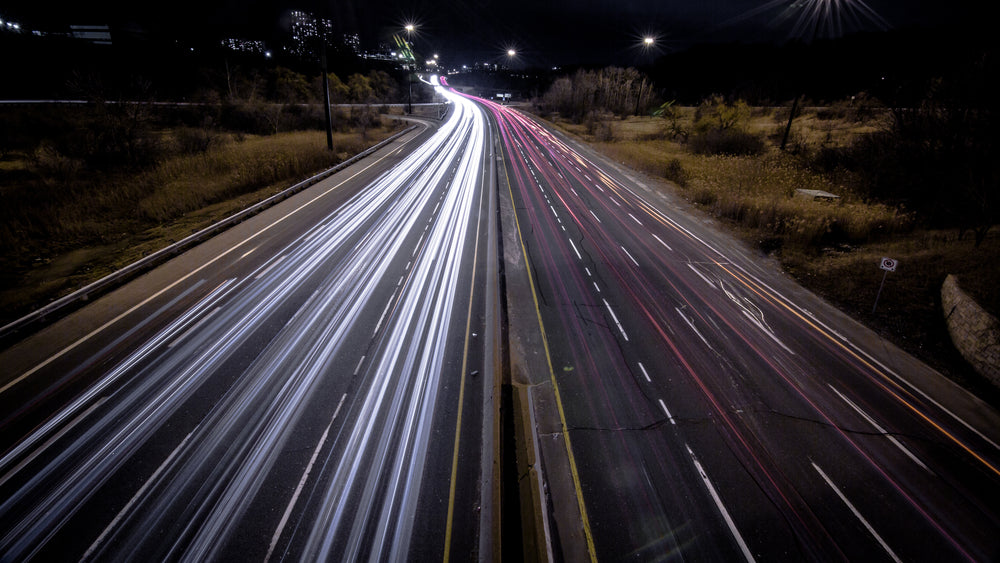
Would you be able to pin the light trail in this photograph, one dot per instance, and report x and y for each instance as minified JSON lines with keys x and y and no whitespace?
{"x":738,"y":358}
{"x":203,"y":492}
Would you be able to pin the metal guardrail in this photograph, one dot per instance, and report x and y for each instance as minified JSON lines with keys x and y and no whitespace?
{"x":62,"y":305}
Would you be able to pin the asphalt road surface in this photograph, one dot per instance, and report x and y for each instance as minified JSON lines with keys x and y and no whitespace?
{"x":317,"y":383}
{"x":692,"y":404}
{"x":308,"y":385}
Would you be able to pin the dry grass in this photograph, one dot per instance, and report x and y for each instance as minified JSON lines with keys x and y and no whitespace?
{"x":193,"y":181}
{"x":57,"y":236}
{"x":831,"y":248}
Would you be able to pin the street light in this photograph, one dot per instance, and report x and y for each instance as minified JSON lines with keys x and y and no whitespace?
{"x":409,"y":75}
{"x":648,"y":41}
{"x":511,"y":52}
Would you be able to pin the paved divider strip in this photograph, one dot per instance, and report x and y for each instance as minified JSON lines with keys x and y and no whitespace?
{"x":64,"y":304}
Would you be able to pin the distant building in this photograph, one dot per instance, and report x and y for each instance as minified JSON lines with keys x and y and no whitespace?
{"x":96,"y":34}
{"x":353,"y":42}
{"x":307,"y":33}
{"x":253,"y":46}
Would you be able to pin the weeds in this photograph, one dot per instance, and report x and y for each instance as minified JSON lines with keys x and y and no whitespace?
{"x":55,"y":208}
{"x":833,"y":248}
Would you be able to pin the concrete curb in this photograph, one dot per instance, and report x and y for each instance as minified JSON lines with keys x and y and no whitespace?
{"x":64,"y":304}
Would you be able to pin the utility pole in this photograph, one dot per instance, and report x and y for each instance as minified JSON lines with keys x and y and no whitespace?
{"x":791,"y":116}
{"x":326,"y":97}
{"x":409,"y":92}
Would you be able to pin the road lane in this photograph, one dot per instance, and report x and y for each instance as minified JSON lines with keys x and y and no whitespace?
{"x":290,"y":400}
{"x":711,"y":416}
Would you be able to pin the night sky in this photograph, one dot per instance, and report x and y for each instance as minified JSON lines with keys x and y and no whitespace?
{"x":544,"y":33}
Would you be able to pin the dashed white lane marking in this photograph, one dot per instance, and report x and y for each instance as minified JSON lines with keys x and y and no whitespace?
{"x":596,"y":287}
{"x":417,"y":247}
{"x":634,"y":219}
{"x":615,"y":317}
{"x":382,"y":318}
{"x":574,"y":249}
{"x":857,"y":514}
{"x":138,"y":494}
{"x":629,"y":255}
{"x":670,"y":417}
{"x":358,"y":367}
{"x":595,"y":215}
{"x":691,"y":324}
{"x":644,"y":373}
{"x":193,"y":327}
{"x":268,"y":269}
{"x":663,"y":243}
{"x":768,"y":332}
{"x":302,"y":482}
{"x":695,"y":270}
{"x":880,"y":429}
{"x":247,"y":253}
{"x":55,"y":437}
{"x":722,"y":508}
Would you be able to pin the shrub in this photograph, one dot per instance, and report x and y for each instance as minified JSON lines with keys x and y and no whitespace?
{"x":715,"y":114}
{"x":193,"y":140}
{"x":676,"y":173}
{"x":604,"y":133}
{"x":726,"y":142}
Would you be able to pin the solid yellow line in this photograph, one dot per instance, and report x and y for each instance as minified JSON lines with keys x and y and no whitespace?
{"x":555,"y":387}
{"x":461,"y":394}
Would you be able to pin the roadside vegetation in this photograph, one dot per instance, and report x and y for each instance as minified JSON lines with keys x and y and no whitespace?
{"x":89,"y":188}
{"x":917,"y":184}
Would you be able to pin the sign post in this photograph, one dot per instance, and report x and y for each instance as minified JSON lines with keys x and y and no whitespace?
{"x":889,"y":265}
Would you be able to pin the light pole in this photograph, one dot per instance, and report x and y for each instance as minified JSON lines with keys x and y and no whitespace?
{"x":410,"y":28}
{"x":647,"y":43}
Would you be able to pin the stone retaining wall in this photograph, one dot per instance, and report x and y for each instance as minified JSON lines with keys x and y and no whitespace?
{"x":975,"y":332}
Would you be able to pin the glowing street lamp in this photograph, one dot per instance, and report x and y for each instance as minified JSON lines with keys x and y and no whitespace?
{"x":410,"y":28}
{"x":511,"y":52}
{"x":648,"y":41}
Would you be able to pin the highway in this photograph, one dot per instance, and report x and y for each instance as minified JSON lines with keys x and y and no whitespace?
{"x":312,"y":384}
{"x":691,"y":403}
{"x":319,"y":382}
